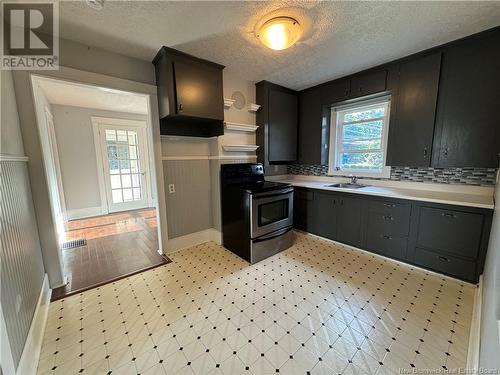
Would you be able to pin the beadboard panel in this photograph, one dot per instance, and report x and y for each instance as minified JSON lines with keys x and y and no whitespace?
{"x":22,"y":269}
{"x":189,"y":208}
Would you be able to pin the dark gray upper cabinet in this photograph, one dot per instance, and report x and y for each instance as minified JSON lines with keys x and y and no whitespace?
{"x":278,"y":121}
{"x":190,"y":96}
{"x":413,"y":111}
{"x":198,"y":90}
{"x":368,"y":83}
{"x":334,"y":92}
{"x":468,"y":118}
{"x":313,"y":139}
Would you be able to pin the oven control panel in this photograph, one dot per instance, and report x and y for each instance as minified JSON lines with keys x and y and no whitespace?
{"x":247,"y":172}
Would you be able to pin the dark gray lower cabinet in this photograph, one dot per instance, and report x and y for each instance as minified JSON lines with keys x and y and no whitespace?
{"x":446,"y":264}
{"x":325,"y":215}
{"x":303,"y":209}
{"x":388,"y":228}
{"x":385,"y":244}
{"x":459,"y":232}
{"x":448,"y":239}
{"x":350,"y":211}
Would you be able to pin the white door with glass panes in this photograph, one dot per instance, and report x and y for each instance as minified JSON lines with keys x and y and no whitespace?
{"x":125,"y":165}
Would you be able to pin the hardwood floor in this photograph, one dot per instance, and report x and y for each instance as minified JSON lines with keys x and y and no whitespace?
{"x":118,"y":245}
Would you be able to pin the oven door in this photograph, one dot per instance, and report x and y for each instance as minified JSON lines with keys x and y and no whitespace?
{"x":271,"y":211}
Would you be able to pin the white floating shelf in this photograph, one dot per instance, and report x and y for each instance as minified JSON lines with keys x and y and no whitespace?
{"x":239,"y":148}
{"x":252,"y":107}
{"x":228,"y":103}
{"x":240,"y":127}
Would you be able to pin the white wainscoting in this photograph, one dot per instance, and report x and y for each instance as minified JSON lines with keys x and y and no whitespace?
{"x":31,"y":352}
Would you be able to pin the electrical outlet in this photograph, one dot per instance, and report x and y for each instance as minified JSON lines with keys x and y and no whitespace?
{"x":171,"y":188}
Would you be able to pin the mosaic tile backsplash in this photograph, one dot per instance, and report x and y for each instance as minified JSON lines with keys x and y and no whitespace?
{"x":467,"y":176}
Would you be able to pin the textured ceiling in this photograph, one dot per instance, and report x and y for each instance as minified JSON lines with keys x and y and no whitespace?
{"x":77,"y":95}
{"x":342,"y":37}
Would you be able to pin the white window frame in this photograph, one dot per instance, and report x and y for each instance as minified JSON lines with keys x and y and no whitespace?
{"x":336,"y":139}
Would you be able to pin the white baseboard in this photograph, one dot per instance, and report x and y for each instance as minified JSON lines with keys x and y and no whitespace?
{"x":193,"y":239}
{"x":475,"y":329}
{"x":33,"y":346}
{"x":81,"y":213}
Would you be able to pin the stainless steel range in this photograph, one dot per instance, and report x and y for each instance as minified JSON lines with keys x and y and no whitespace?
{"x":257,"y":215}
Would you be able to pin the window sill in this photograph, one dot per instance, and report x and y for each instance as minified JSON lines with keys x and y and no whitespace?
{"x":384,"y":173}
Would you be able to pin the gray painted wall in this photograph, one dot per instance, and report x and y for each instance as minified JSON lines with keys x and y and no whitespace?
{"x":189,"y":208}
{"x":75,"y":143}
{"x":96,"y":60}
{"x":11,"y":141}
{"x":490,"y":328}
{"x":77,"y":56}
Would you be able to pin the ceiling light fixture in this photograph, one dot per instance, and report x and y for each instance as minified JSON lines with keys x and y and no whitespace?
{"x":280,"y":33}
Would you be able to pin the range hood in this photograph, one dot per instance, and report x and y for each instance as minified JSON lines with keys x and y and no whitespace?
{"x":190,"y":97}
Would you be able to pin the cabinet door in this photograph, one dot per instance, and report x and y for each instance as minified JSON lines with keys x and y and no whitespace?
{"x":325,"y":215}
{"x":198,"y":90}
{"x":411,"y":128}
{"x":334,"y":92}
{"x":368,"y":83}
{"x":349,"y":221}
{"x":312,"y":143}
{"x":283,"y":111}
{"x":455,"y":232}
{"x":468,"y":119}
{"x":303,"y":210}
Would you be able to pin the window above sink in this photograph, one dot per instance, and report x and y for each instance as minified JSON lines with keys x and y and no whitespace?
{"x":358,"y":139}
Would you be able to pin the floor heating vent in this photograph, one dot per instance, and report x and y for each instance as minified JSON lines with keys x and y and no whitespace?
{"x":74,"y":243}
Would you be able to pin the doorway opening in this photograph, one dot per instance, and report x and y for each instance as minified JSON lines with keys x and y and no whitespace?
{"x":97,"y":146}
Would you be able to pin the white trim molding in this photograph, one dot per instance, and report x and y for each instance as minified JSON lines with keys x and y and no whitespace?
{"x":239,"y":148}
{"x":31,"y":353}
{"x":240,"y":127}
{"x":205,"y":157}
{"x":475,"y":330}
{"x":193,"y":239}
{"x":336,"y":140}
{"x":7,"y":157}
{"x":82,"y":213}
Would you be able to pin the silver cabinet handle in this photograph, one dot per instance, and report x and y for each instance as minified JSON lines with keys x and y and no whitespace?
{"x":446,"y":214}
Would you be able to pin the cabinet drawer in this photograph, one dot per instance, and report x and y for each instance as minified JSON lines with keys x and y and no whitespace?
{"x":451,"y":231}
{"x":393,"y":225}
{"x":446,"y":264}
{"x":393,"y":247}
{"x":399,"y":210}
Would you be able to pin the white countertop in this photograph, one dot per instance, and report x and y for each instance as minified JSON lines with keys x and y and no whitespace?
{"x":470,"y":196}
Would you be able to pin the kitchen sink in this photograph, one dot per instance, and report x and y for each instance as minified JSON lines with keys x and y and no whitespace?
{"x":346,"y":186}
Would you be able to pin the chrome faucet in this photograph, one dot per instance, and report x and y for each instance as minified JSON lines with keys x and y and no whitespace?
{"x":354,"y":179}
